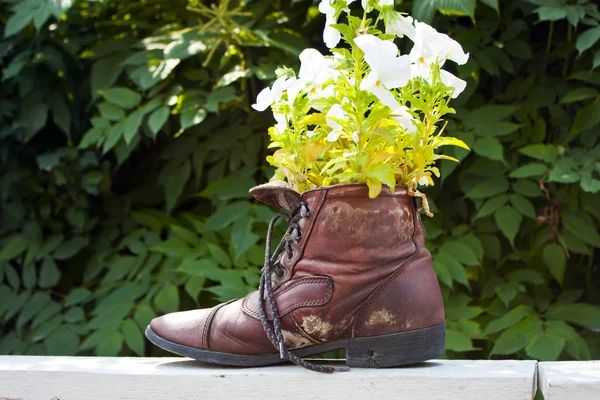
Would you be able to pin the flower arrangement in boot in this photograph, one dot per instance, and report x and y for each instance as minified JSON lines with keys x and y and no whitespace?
{"x":365,"y":113}
{"x":356,"y":135}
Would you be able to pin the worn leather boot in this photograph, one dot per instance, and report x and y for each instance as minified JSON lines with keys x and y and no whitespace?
{"x":351,"y":273}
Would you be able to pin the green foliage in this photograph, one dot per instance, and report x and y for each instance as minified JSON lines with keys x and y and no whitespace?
{"x":127,"y":147}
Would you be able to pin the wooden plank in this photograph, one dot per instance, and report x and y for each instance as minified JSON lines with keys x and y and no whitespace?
{"x":570,"y":380}
{"x":95,"y":378}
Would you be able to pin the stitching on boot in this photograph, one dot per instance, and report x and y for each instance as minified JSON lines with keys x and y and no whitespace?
{"x":385,"y":284}
{"x":208,"y":323}
{"x":317,"y":302}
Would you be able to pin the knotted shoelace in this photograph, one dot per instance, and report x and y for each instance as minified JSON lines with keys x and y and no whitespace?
{"x":275,"y":334}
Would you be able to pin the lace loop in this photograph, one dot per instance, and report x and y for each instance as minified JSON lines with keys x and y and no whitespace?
{"x":275,"y":334}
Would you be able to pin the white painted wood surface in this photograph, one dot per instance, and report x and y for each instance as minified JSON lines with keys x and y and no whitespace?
{"x":570,"y":380}
{"x":94,"y":378}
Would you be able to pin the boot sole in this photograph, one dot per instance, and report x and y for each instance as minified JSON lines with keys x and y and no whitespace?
{"x":391,"y":350}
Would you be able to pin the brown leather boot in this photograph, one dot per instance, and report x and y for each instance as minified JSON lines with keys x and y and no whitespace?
{"x":351,"y":273}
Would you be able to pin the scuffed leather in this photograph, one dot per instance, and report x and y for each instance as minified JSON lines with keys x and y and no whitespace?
{"x":360,"y":269}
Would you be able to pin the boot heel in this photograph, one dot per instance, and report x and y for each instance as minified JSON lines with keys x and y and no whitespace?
{"x":395,"y":349}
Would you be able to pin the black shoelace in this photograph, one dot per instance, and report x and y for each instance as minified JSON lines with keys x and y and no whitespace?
{"x":275,"y":335}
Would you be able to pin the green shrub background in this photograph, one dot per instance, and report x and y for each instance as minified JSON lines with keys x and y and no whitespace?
{"x":127,"y":148}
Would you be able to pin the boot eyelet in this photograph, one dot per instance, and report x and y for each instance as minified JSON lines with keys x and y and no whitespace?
{"x":296,"y":235}
{"x":279,"y":273}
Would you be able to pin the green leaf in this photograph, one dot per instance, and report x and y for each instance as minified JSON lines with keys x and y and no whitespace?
{"x":242,"y":237}
{"x":442,"y":273}
{"x":110,"y":345}
{"x":581,"y":229}
{"x":579,"y":94}
{"x":105,"y":73}
{"x":587,"y":39}
{"x":229,"y":187}
{"x":203,"y":267}
{"x":133,"y":337}
{"x":497,"y":129}
{"x":461,"y":252}
{"x":586,"y":118}
{"x":143,"y":315}
{"x":132,"y":126}
{"x":550,"y":13}
{"x":555,"y":259}
{"x":74,"y":314}
{"x":113,"y":135}
{"x":488,"y":114}
{"x":13,"y":247}
{"x":167,"y":299}
{"x":62,"y":342}
{"x":457,"y":271}
{"x":582,"y":314}
{"x":529,"y":170}
{"x":123,"y":97}
{"x":111,"y":112}
{"x":596,"y":60}
{"x":545,"y":345}
{"x":458,"y":341}
{"x":192,"y":117}
{"x":157,"y":119}
{"x":491,"y":205}
{"x":489,"y":147}
{"x":508,"y":220}
{"x":70,"y":248}
{"x":176,"y":183}
{"x":424,"y":10}
{"x":489,"y":188}
{"x":49,"y":274}
{"x":37,"y":302}
{"x":383,"y":173}
{"x":492,"y":3}
{"x":226,"y":215}
{"x":175,"y":247}
{"x":17,"y":22}
{"x":542,"y":152}
{"x":515,"y":338}
{"x":509,"y":319}
{"x":527,"y":188}
{"x":523,"y":205}
{"x":77,"y":296}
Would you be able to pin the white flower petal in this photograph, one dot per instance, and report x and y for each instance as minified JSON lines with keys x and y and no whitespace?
{"x":423,"y":181}
{"x":294,"y":90}
{"x":310,"y":133}
{"x":384,"y":3}
{"x":398,"y":25}
{"x":355,"y":137}
{"x":336,"y":111}
{"x":331,"y":36}
{"x":278,"y":88}
{"x":385,"y":97}
{"x":263,"y":100}
{"x":333,"y":136}
{"x":281,"y":120}
{"x":454,"y":82}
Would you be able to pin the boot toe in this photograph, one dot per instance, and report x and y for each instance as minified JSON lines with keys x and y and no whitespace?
{"x":186,"y":327}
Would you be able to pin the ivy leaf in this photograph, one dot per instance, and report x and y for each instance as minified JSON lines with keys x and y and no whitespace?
{"x":458,"y":341}
{"x":111,"y":112}
{"x":13,"y":247}
{"x":508,"y":220}
{"x":587,"y":117}
{"x":157,"y":119}
{"x":509,"y":319}
{"x":545,"y":345}
{"x":489,"y":188}
{"x":17,"y":22}
{"x":523,"y":205}
{"x":555,"y":259}
{"x":70,"y":248}
{"x":133,"y":337}
{"x":529,"y":170}
{"x":581,"y":229}
{"x":167,"y":299}
{"x":132,"y":126}
{"x":581,"y":314}
{"x":542,"y":152}
{"x":587,"y":39}
{"x":491,"y":205}
{"x":176,"y":183}
{"x":579,"y":94}
{"x":489,"y":147}
{"x":110,"y":345}
{"x":49,"y":274}
{"x":123,"y":97}
{"x":515,"y":338}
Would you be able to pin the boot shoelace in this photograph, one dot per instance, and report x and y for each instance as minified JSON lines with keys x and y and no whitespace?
{"x":275,"y":335}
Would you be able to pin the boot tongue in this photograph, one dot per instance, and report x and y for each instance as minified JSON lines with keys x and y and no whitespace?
{"x":277,"y":194}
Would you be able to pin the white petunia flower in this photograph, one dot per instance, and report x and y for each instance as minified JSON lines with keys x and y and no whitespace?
{"x":454,"y":82}
{"x":282,"y":123}
{"x":268,"y":96}
{"x":337,"y":112}
{"x":331,"y":36}
{"x":384,"y":3}
{"x":424,"y":181}
{"x":314,"y":72}
{"x":397,"y":24}
{"x":405,"y":119}
{"x":440,"y":46}
{"x":388,"y":70}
